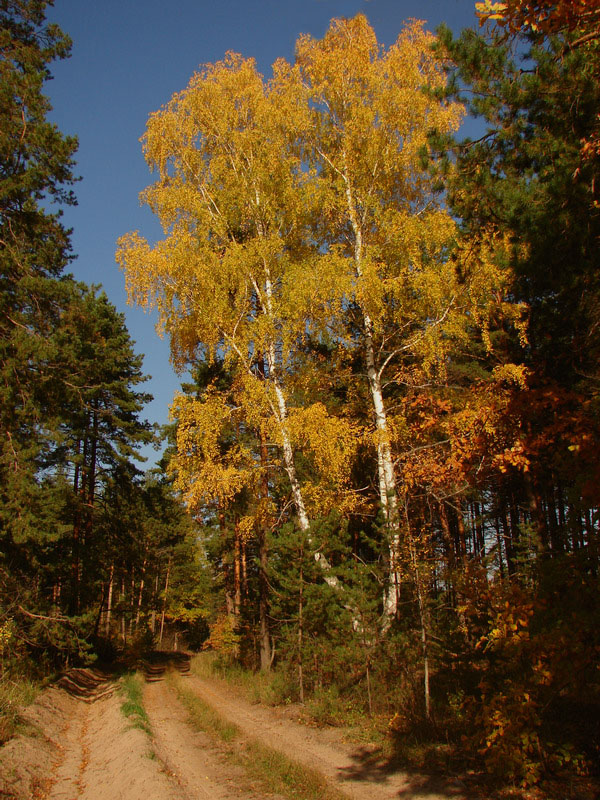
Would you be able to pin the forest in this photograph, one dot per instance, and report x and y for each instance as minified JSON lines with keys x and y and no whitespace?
{"x":381,"y":484}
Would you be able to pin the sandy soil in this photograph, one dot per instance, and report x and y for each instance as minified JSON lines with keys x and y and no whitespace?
{"x":103,"y":758}
{"x":190,"y":755}
{"x":358,"y":771}
{"x":26,"y":761}
{"x":79,"y":746}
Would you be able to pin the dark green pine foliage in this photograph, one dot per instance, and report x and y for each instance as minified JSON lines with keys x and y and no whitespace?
{"x":98,"y":429}
{"x":327,"y":638}
{"x":531,"y":176}
{"x":88,"y":433}
{"x":146,"y":578}
{"x":528,"y":176}
{"x":35,"y":171}
{"x":69,"y":402}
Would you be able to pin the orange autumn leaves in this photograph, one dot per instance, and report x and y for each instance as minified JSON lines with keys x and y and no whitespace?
{"x":545,"y":16}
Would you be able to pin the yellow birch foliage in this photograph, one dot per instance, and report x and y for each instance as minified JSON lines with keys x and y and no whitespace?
{"x":284,"y":204}
{"x":227,"y":199}
{"x":205,"y":472}
{"x":387,"y":236}
{"x":330,"y":443}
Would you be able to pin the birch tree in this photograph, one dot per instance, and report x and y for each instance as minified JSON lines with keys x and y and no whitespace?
{"x":381,"y":231}
{"x":226,"y":277}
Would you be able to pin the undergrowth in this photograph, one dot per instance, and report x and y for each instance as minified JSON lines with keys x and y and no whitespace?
{"x":324,"y":706}
{"x":257,"y":687}
{"x":405,"y":739}
{"x":14,"y":695}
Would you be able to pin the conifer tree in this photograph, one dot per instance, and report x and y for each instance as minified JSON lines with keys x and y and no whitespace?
{"x":36,"y":163}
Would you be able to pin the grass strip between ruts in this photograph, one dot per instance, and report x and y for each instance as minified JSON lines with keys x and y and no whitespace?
{"x":132,"y":706}
{"x":275,"y":771}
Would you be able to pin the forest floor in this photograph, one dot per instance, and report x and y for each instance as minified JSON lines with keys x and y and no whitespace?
{"x":78,"y":745}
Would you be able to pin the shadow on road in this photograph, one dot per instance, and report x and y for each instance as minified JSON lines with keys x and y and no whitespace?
{"x":370,"y":765}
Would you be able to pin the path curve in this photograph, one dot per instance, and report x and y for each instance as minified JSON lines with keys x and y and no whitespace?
{"x":358,"y":771}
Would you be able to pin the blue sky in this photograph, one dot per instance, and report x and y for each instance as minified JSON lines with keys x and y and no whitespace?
{"x":129,"y":57}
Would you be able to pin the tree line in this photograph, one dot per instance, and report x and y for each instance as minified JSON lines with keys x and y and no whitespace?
{"x":88,"y":543}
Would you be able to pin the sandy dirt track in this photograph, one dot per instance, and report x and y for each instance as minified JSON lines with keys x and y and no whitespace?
{"x":102,"y":757}
{"x":200,"y":770}
{"x":82,"y":747}
{"x":357,"y":771}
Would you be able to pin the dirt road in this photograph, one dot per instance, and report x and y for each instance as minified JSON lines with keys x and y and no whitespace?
{"x":84,"y":748}
{"x":195,"y":762}
{"x":358,"y":771}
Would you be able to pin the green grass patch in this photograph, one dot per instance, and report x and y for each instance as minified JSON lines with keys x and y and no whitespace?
{"x":132,"y":705}
{"x":285,"y":776}
{"x":203,"y":716}
{"x":14,"y":695}
{"x":265,"y":688}
{"x":272,"y":769}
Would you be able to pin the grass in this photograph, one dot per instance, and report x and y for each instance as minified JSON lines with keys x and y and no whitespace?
{"x":132,"y":706}
{"x":203,"y":716}
{"x":268,"y":689}
{"x":272,"y":769}
{"x":324,"y":707}
{"x":14,"y":694}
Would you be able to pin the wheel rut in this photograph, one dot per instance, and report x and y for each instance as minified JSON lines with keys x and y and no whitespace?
{"x":84,"y":748}
{"x":200,"y":768}
{"x":359,"y":772}
{"x":102,"y":757}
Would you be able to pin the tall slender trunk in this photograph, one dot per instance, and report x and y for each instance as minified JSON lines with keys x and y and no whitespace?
{"x":288,"y":452}
{"x":109,"y":601}
{"x":229,"y":600}
{"x":462,"y":533}
{"x":154,"y":601}
{"x":450,"y":554}
{"x":98,"y":622}
{"x":132,"y":604}
{"x":78,"y":491}
{"x":91,"y":476}
{"x":263,"y":563}
{"x":301,"y":638}
{"x":122,"y":604}
{"x":423,"y":617}
{"x":140,"y":594}
{"x":388,"y":492}
{"x":237,"y":577}
{"x":164,"y":605}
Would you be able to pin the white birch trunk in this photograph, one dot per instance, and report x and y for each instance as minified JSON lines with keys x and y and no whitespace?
{"x":388,"y":493}
{"x":288,"y":452}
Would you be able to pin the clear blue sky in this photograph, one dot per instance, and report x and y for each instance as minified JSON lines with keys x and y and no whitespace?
{"x":129,"y":57}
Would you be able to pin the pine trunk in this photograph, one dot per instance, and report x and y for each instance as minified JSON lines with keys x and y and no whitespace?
{"x":109,"y":601}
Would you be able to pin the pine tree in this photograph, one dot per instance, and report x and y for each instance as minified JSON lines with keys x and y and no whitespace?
{"x":35,"y":170}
